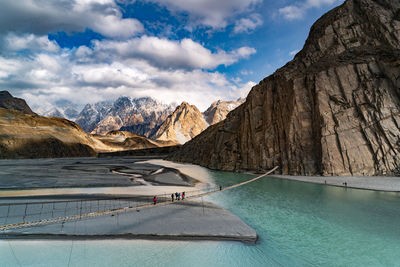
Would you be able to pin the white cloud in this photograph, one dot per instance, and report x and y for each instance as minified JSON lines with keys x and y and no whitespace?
{"x":248,"y":24}
{"x":43,"y":16}
{"x":14,"y":42}
{"x":83,"y":51}
{"x":211,"y":13}
{"x":292,"y":12}
{"x":244,"y":52}
{"x":244,"y":89}
{"x":39,"y":70}
{"x":169,"y":53}
{"x":294,"y":52}
{"x":174,"y":73}
{"x":297,"y":11}
{"x":246,"y":72}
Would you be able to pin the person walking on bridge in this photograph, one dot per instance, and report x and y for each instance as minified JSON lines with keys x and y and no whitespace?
{"x":172,"y":197}
{"x":155,"y":200}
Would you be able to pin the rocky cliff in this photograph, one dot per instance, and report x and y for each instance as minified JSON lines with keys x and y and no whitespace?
{"x":7,"y":101}
{"x":219,"y":109}
{"x":333,"y":110}
{"x":182,"y":125}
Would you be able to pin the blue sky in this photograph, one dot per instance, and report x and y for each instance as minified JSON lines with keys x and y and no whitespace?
{"x":198,"y":51}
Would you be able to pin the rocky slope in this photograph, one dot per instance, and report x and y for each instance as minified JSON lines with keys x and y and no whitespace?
{"x":142,"y":116}
{"x":122,"y":140}
{"x":7,"y":101}
{"x":219,"y":109}
{"x":333,"y":110}
{"x":182,"y":125}
{"x":33,"y":136}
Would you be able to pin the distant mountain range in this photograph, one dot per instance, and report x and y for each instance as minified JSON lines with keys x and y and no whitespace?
{"x":24,"y":134}
{"x":144,"y":116}
{"x":63,"y":109}
{"x":138,"y":115}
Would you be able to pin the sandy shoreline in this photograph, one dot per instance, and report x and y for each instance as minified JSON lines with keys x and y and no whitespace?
{"x":92,"y":176}
{"x":182,"y":220}
{"x":57,"y":189}
{"x":377,"y":183}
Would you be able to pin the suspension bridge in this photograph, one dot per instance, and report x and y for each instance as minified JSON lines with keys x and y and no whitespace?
{"x":38,"y":213}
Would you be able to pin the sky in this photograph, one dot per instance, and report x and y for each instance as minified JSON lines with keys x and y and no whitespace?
{"x":199,"y":51}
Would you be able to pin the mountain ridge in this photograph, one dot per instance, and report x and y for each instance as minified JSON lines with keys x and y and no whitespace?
{"x":7,"y":101}
{"x":218,"y":110}
{"x":124,"y":113}
{"x":143,"y":116}
{"x":182,"y":125}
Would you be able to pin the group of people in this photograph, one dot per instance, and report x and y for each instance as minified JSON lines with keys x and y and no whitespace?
{"x":178,"y":196}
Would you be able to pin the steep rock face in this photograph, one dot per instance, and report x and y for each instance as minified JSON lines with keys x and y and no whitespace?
{"x":182,"y":125}
{"x":333,"y":110}
{"x":7,"y":101}
{"x":219,"y":109}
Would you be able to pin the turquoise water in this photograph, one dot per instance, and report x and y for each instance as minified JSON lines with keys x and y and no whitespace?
{"x":299,"y":224}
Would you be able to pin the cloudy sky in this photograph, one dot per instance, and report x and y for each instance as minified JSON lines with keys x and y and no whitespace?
{"x":199,"y":51}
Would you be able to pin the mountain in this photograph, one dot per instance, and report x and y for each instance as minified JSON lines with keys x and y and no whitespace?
{"x":30,"y":135}
{"x":219,"y":109}
{"x":7,"y":101}
{"x":122,"y":140}
{"x":182,"y":125}
{"x":61,"y":109}
{"x":91,"y":115}
{"x":54,"y":112}
{"x":333,"y":110}
{"x":139,"y":115}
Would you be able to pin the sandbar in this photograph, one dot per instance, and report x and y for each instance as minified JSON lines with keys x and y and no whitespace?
{"x":378,"y":183}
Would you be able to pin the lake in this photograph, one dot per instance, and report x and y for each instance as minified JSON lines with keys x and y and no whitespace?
{"x":298,"y":224}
